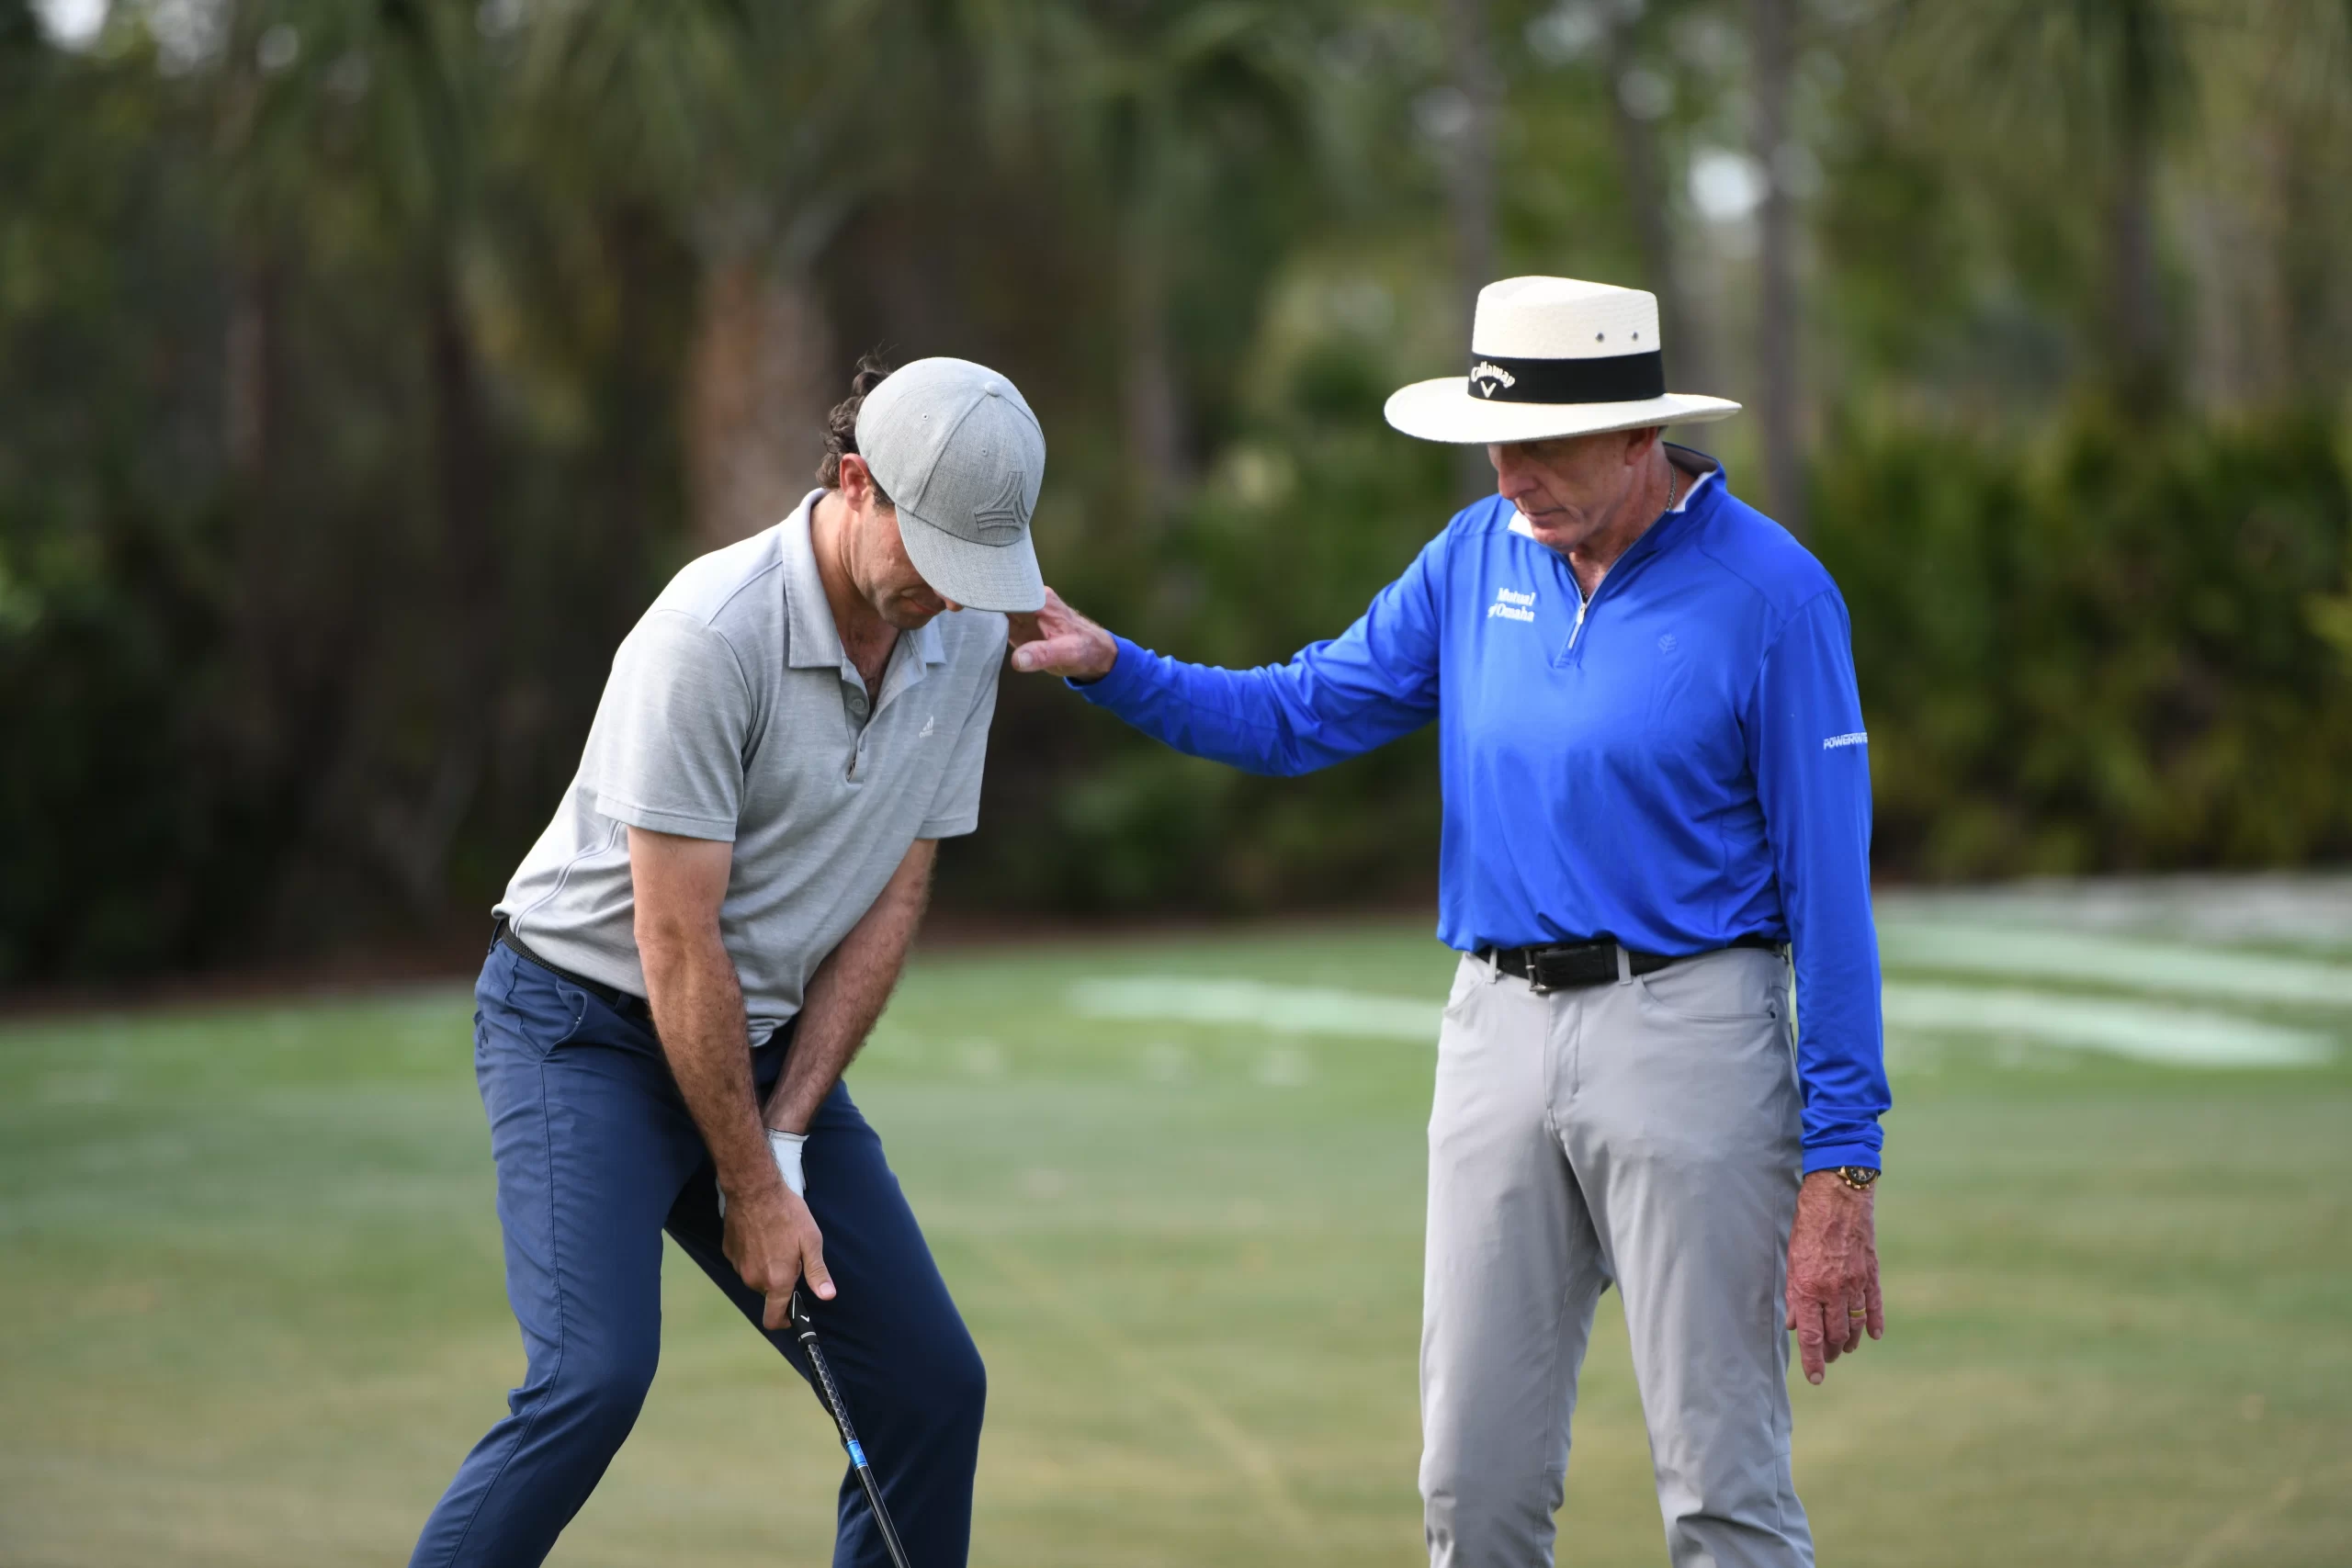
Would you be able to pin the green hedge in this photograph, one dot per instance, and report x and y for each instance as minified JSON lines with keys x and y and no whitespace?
{"x":2106,"y":650}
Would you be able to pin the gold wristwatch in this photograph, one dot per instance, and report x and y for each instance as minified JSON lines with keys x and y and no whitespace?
{"x":1857,"y":1177}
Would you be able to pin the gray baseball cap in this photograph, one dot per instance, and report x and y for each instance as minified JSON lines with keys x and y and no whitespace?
{"x":956,"y":447}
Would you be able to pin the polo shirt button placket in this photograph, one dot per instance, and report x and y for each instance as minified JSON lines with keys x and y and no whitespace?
{"x":857,"y":712}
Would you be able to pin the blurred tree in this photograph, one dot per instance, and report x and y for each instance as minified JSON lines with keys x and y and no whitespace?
{"x":1639,"y":97}
{"x":1467,"y":112}
{"x":1652,"y":99}
{"x":364,"y":369}
{"x":1166,"y":106}
{"x":2111,"y":79}
{"x":677,"y":104}
{"x":417,"y":158}
{"x":1773,"y":34}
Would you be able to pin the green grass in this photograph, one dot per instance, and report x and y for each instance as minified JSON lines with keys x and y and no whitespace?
{"x":252,"y":1314}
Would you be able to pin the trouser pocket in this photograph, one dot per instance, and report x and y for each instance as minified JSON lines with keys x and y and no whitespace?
{"x":1729,"y":985}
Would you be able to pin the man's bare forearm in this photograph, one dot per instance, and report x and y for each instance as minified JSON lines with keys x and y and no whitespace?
{"x":697,"y":1005}
{"x":680,"y":885}
{"x":848,"y":990}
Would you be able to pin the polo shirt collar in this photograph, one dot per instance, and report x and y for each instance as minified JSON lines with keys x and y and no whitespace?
{"x":813,"y":641}
{"x":1707,"y":484}
{"x":927,"y":642}
{"x":1700,"y":468}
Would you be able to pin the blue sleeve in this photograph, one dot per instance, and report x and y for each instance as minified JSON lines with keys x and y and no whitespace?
{"x":1338,"y":699}
{"x":1811,"y":759}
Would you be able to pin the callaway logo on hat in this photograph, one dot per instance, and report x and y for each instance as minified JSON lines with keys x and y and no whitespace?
{"x":956,"y":447}
{"x":1554,"y":357}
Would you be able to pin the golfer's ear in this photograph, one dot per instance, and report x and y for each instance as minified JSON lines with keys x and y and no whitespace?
{"x":857,"y":480}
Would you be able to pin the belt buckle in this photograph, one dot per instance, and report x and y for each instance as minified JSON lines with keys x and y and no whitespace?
{"x":1535,"y":986}
{"x":1563,"y":951}
{"x":1536,"y":957}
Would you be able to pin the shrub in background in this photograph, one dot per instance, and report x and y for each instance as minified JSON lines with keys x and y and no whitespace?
{"x":2101,"y":649}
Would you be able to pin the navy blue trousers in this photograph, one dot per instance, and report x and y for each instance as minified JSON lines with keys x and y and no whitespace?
{"x":597,"y":1157}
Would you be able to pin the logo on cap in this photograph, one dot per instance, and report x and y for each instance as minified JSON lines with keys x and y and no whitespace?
{"x":1002,"y":520}
{"x":1486,"y":376}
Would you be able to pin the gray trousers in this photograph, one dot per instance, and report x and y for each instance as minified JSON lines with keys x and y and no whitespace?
{"x":1643,"y":1134}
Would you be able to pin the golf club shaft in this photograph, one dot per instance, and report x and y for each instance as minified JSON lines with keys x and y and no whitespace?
{"x":829,"y":1392}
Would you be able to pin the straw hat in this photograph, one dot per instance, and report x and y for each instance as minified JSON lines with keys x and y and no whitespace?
{"x":1554,"y":357}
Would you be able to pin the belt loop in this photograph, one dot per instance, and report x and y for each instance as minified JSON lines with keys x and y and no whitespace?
{"x":1494,"y":964}
{"x":1624,"y":965}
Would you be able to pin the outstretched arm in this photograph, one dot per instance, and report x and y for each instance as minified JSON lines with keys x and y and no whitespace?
{"x":1338,"y":699}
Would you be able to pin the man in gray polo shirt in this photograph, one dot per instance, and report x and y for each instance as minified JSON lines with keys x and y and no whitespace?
{"x":700,"y":941}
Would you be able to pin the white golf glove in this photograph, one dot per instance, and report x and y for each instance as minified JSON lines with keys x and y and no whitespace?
{"x":786,"y":1148}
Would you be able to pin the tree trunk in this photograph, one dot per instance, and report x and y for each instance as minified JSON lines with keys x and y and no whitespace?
{"x":759,"y":385}
{"x":2136,"y":336}
{"x":1647,"y":196}
{"x":250,"y":364}
{"x":1152,"y":405}
{"x":413,"y":831}
{"x":278,"y":617}
{"x":2303,"y":357}
{"x":1773,"y":41}
{"x":1470,"y":190}
{"x":2136,"y":345}
{"x":638,"y":392}
{"x":466,"y":480}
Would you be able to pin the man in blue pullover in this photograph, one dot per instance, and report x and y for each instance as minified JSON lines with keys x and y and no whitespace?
{"x":1657,"y":790}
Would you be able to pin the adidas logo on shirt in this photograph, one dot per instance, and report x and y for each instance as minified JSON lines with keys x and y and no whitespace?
{"x":930,"y":726}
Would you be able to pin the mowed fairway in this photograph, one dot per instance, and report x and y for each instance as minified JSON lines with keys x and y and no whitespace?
{"x":252,"y":1310}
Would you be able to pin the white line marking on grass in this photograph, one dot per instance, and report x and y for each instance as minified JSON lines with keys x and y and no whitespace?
{"x":2299,"y":910}
{"x":1283,"y":1010}
{"x":2174,"y":968}
{"x":1244,"y":1452}
{"x":2143,"y":1031}
{"x":2169,"y":1036}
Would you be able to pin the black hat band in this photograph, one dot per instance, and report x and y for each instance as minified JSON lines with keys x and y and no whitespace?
{"x":1619,"y":378}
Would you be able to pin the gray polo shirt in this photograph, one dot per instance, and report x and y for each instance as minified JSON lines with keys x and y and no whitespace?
{"x":733,"y":713}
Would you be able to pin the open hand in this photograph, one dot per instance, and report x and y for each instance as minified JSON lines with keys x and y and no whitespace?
{"x":774,"y":1242}
{"x":1057,"y":640}
{"x":1833,"y":1272}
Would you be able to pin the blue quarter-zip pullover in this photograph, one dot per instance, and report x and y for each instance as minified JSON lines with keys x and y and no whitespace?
{"x":1675,"y":764}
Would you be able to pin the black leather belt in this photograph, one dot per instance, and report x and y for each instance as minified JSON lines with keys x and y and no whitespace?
{"x":613,"y":997}
{"x":1573,"y":966}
